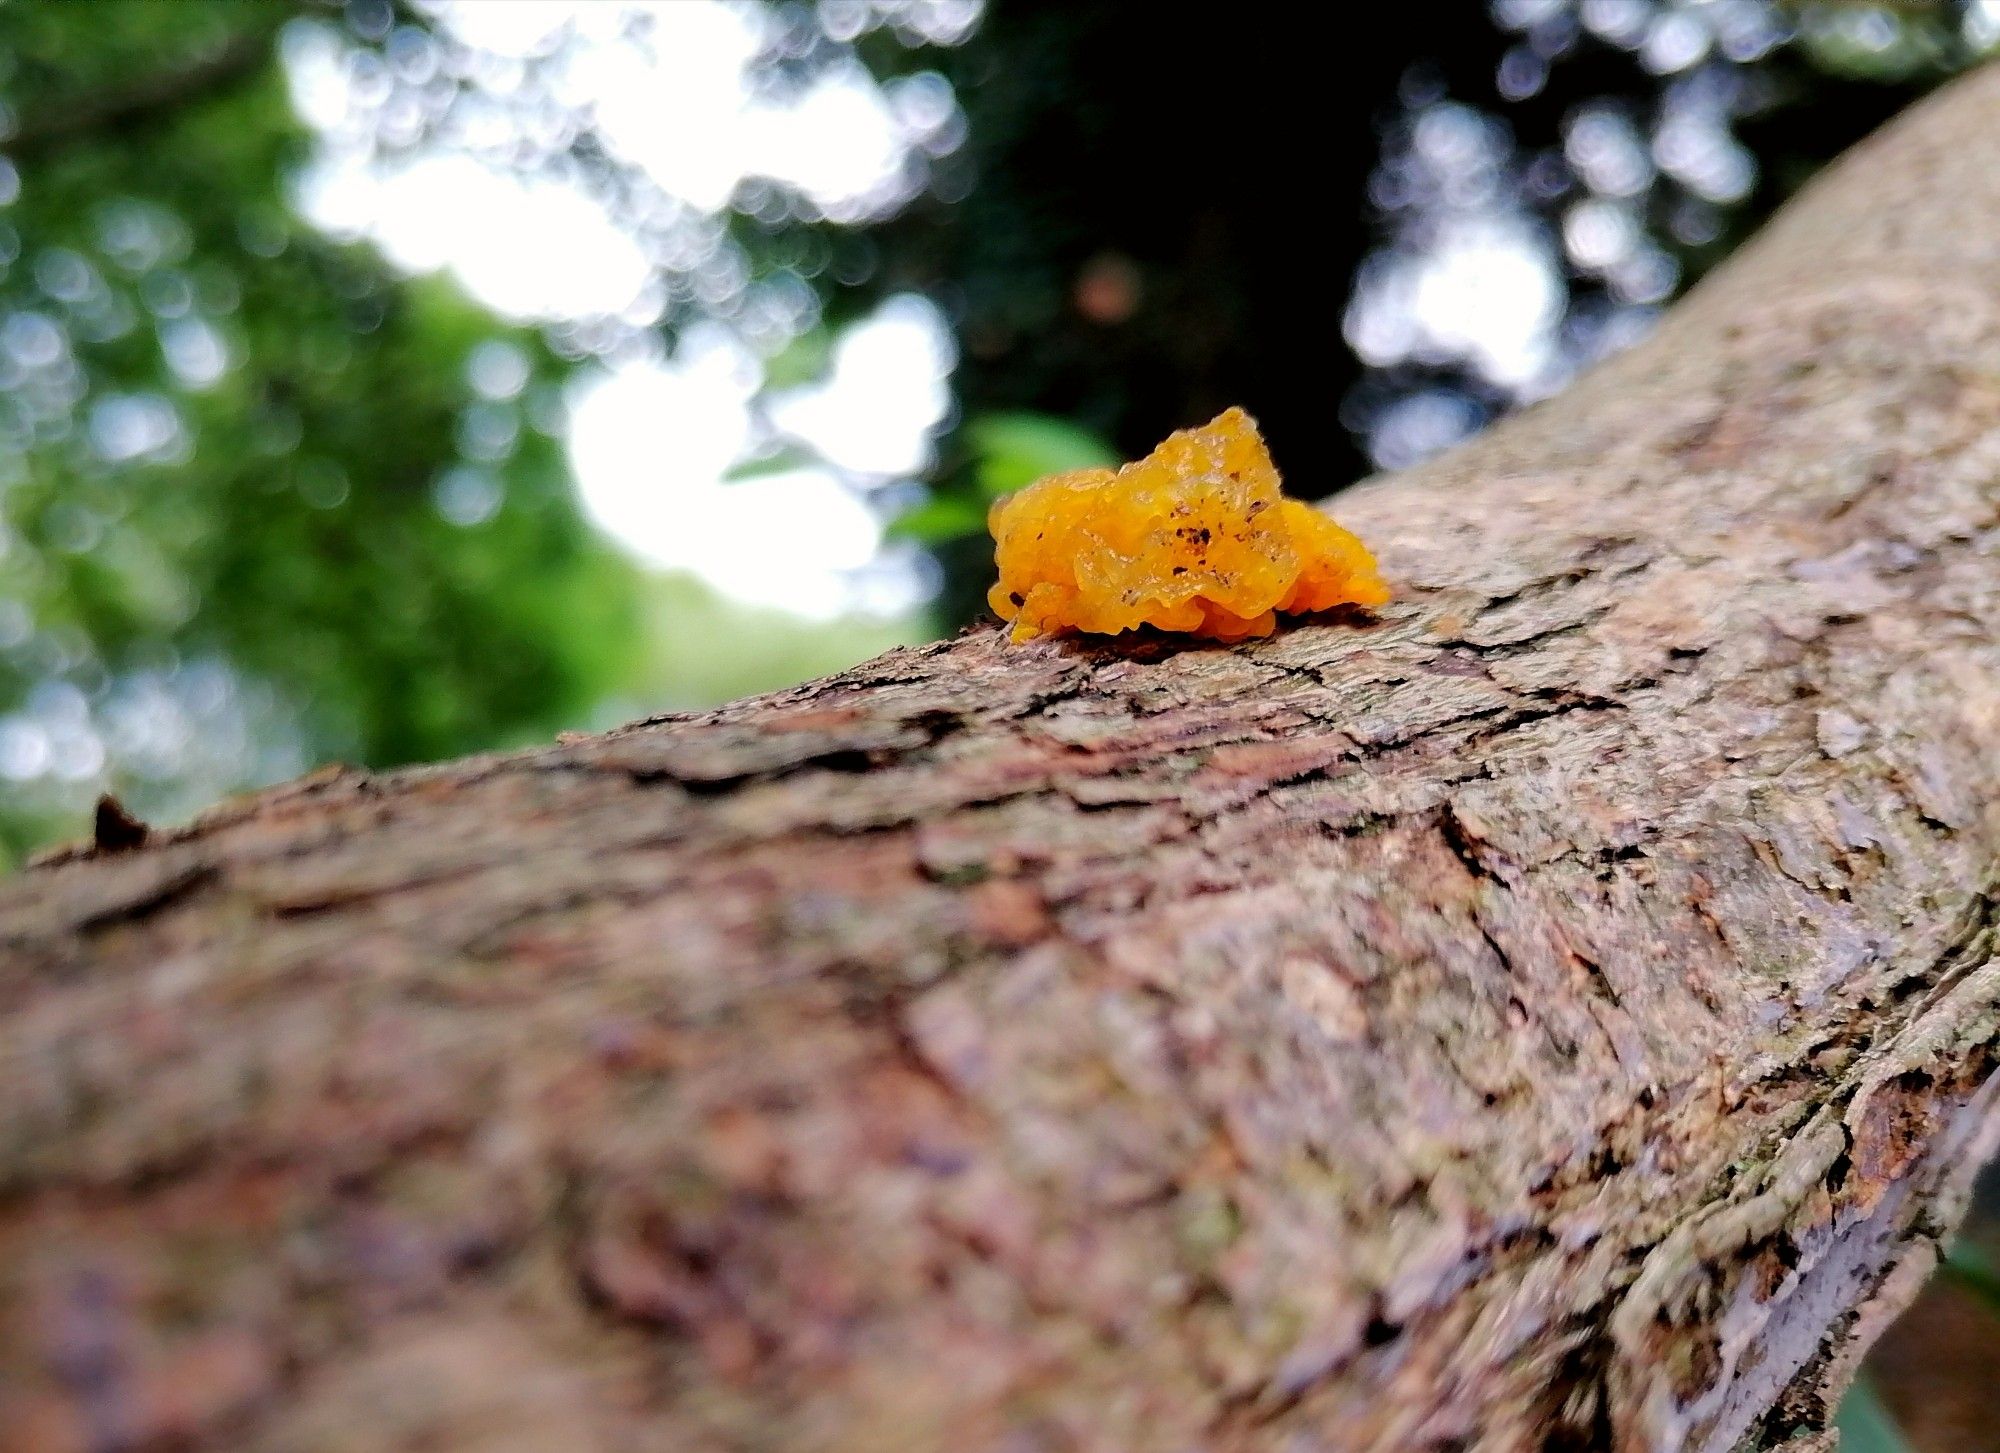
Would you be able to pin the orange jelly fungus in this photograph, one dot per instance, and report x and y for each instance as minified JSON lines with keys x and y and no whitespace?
{"x":1195,"y":537}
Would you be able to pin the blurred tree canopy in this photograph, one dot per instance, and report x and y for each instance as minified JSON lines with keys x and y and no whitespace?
{"x":264,"y":501}
{"x":267,"y":499}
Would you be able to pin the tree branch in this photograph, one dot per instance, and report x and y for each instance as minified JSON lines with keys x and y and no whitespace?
{"x":142,"y":100}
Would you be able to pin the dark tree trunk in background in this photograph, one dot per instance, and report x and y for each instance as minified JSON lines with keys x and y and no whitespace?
{"x":1164,"y":209}
{"x":1166,"y":214}
{"x":1559,"y":1014}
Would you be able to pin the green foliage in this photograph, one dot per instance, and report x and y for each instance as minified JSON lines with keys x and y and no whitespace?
{"x":1865,"y":1425}
{"x":1003,"y":452}
{"x":224,"y":438}
{"x":706,"y":649}
{"x":941,"y":518}
{"x":1885,"y":43}
{"x":1016,"y":449}
{"x":1972,"y":1269}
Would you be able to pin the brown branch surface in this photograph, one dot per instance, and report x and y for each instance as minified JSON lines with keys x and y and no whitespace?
{"x":1561,"y":1013}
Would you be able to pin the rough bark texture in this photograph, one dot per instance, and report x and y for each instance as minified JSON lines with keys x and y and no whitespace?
{"x":1559,"y":1013}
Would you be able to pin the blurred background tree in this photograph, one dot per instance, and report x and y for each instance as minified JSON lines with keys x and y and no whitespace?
{"x":239,"y":529}
{"x":384,"y":381}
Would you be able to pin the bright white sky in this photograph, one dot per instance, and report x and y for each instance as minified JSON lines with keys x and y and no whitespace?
{"x":651,"y":441}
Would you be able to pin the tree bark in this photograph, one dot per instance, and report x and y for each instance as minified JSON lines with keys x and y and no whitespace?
{"x":1558,"y":1013}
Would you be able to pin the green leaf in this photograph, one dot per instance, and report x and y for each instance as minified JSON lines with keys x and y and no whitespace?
{"x":946,"y":517}
{"x":1865,"y":1425}
{"x":1974,"y":1270}
{"x":1013,"y":450}
{"x":800,"y":361}
{"x":783,"y":462}
{"x":1847,"y":40}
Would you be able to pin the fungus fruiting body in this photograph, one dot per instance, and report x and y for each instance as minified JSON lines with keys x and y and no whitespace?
{"x":1195,"y":538}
